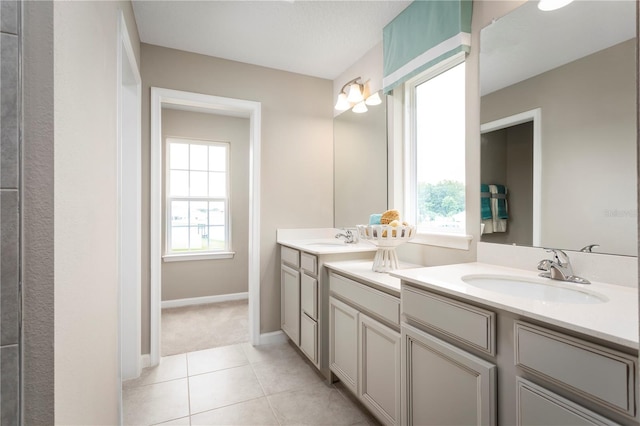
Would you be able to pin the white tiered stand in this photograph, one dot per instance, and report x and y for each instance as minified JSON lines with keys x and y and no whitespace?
{"x":387,"y":238}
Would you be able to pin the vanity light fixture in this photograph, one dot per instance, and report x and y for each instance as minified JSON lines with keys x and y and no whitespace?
{"x":354,"y":94}
{"x":360,"y":107}
{"x":548,"y":5}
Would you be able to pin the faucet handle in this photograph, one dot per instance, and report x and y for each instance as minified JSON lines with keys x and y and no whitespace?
{"x":544,"y":265}
{"x":589,"y":248}
{"x":560,"y":255}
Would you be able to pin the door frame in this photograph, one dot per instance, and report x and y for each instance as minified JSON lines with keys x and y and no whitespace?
{"x":129,"y":204}
{"x":213,"y":105}
{"x":535,"y":116}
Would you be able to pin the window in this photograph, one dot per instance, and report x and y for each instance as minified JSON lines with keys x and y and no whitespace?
{"x":197,"y":188}
{"x":435,"y":157}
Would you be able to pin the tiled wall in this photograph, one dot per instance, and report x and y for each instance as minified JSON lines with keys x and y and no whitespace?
{"x":9,"y":214}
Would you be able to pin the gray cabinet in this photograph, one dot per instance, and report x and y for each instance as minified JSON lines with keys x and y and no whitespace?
{"x":305,"y":301}
{"x":594,"y":372}
{"x":343,"y":343}
{"x":364,"y":350}
{"x":379,"y":371}
{"x":444,"y":385}
{"x":290,"y":302}
{"x":537,"y":406}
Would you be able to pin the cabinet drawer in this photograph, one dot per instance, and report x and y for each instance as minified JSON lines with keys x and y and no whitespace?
{"x":536,"y":405}
{"x":290,"y":256}
{"x":464,"y":323}
{"x":601,"y":374}
{"x":370,"y":300}
{"x":309,"y":296}
{"x":309,"y":263}
{"x":309,"y":337}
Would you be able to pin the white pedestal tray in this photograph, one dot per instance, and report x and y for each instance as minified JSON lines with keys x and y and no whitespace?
{"x":387,"y":238}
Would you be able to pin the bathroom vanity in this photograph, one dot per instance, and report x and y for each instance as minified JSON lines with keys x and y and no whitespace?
{"x":471,"y":355}
{"x":483,"y":344}
{"x":304,"y":291}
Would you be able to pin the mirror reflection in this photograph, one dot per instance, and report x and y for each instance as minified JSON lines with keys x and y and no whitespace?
{"x":360,"y":161}
{"x":558,"y":107}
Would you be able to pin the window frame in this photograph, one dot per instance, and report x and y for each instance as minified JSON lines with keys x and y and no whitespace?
{"x":226,"y":252}
{"x":457,"y":240}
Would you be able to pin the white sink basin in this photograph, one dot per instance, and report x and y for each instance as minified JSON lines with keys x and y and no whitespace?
{"x":545,"y":290}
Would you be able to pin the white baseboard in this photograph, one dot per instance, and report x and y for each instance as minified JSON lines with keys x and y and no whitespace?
{"x":177,"y":303}
{"x":273,"y":337}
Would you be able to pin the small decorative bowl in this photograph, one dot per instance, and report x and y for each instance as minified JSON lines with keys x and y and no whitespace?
{"x":387,"y":238}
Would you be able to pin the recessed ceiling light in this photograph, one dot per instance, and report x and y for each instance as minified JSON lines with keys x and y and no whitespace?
{"x":548,"y":5}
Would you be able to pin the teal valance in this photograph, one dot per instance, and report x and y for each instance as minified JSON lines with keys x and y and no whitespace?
{"x":422,"y":35}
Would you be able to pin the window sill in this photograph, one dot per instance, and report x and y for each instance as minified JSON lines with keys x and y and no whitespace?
{"x":459,"y":242}
{"x":198,"y":256}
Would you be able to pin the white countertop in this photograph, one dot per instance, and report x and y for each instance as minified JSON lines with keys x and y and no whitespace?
{"x":615,"y":321}
{"x":320,"y":241}
{"x":363,"y":270}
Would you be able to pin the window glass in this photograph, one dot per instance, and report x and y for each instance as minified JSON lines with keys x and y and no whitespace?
{"x":197,"y":198}
{"x":438,"y":190}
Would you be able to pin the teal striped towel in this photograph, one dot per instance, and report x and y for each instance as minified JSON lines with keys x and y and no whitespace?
{"x":485,"y":202}
{"x":501,"y":197}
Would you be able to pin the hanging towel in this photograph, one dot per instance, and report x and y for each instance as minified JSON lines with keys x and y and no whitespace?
{"x":499,"y":208}
{"x":485,"y":201}
{"x":485,"y":210}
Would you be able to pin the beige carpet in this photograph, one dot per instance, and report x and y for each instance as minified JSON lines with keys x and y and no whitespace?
{"x":193,"y":328}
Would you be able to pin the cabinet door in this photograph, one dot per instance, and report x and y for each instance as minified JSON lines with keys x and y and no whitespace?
{"x":379,"y":373}
{"x":309,"y":337}
{"x":343,"y":343}
{"x":309,"y":296}
{"x":290,"y":303}
{"x":536,"y":405}
{"x":444,"y":385}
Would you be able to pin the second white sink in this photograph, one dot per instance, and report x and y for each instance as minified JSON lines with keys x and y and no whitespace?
{"x":542,"y":289}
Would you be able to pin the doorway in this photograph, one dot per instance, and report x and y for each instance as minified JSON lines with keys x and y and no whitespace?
{"x":197,"y":102}
{"x":206,"y":217}
{"x":534,"y":117}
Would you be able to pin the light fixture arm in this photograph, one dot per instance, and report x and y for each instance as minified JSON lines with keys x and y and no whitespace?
{"x":350,"y":82}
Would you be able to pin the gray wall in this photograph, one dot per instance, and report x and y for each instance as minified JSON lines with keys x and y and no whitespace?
{"x":588,"y":149}
{"x":10,"y":196}
{"x":297,"y":152}
{"x":186,"y":279}
{"x":507,"y":159}
{"x":360,"y":163}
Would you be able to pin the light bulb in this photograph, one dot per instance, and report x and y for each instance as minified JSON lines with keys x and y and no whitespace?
{"x":548,"y":5}
{"x":360,"y":108}
{"x":342,"y":104}
{"x":373,"y":99}
{"x":355,"y":94}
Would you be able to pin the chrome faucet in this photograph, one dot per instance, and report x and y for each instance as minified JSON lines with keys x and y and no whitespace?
{"x":559,"y":268}
{"x":348,"y":236}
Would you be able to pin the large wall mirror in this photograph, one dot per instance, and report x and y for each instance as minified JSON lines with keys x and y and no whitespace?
{"x":360,"y":161}
{"x":559,"y":131}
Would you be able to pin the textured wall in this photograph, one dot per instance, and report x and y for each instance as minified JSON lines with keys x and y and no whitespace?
{"x":9,"y":214}
{"x":87,"y":359}
{"x":37,"y":274}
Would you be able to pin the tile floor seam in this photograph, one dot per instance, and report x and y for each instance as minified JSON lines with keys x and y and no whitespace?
{"x":228,"y":405}
{"x":258,"y":379}
{"x":186,"y":359}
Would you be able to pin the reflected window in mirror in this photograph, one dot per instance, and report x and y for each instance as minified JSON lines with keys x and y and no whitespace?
{"x":435,"y":188}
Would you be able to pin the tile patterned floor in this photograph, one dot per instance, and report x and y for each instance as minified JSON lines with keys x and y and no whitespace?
{"x":239,"y":385}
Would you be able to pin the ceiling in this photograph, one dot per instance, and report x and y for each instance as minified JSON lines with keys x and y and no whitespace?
{"x":528,"y":42}
{"x":312,"y":37}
